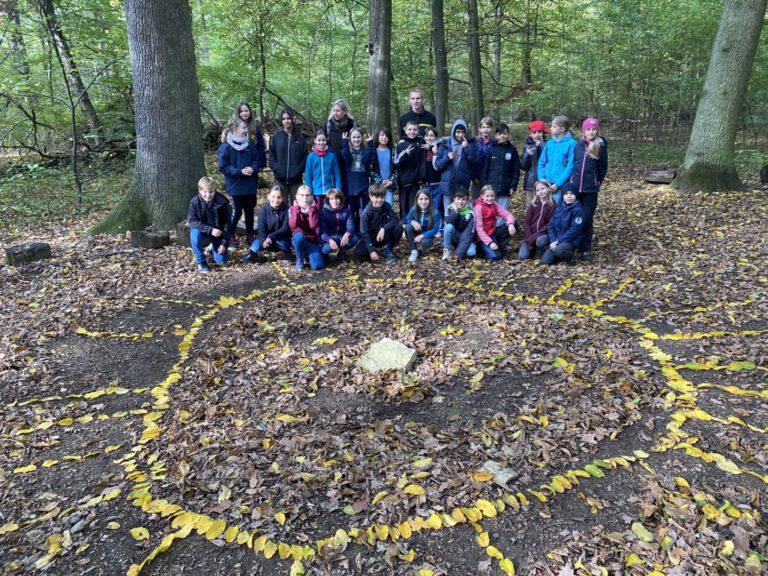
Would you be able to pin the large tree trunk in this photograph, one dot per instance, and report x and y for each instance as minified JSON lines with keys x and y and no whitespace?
{"x":64,"y":54}
{"x":475,"y":68}
{"x":169,"y":148}
{"x":380,"y":43}
{"x":441,"y":65}
{"x":709,"y":162}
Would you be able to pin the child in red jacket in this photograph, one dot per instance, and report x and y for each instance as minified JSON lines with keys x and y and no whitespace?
{"x":304,"y":220}
{"x":537,"y":219}
{"x":492,"y":238}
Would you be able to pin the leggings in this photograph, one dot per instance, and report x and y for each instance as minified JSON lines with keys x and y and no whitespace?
{"x":245,"y":203}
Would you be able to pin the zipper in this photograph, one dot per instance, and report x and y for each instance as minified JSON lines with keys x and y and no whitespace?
{"x":288,"y":166}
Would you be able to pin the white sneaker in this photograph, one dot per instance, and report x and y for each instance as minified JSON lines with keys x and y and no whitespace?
{"x":447,"y":253}
{"x":414,"y":256}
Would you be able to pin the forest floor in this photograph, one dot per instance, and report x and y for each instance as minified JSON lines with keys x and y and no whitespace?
{"x":603,"y":418}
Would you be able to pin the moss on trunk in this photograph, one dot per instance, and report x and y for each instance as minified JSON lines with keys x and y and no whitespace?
{"x":128,"y":214}
{"x":707,"y":178}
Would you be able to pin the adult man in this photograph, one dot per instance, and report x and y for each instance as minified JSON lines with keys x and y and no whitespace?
{"x":417,"y":113}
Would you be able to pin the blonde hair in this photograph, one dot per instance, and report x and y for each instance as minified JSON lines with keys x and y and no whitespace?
{"x":593,"y":147}
{"x":487,"y":188}
{"x":562,"y":121}
{"x":546,"y":184}
{"x":206,"y":183}
{"x":488,"y":121}
{"x":303,"y":188}
{"x":344,"y":105}
{"x":231,"y":125}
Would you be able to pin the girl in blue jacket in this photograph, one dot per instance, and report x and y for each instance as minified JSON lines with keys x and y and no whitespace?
{"x":322,"y":171}
{"x":564,"y":230}
{"x":421,"y":224}
{"x":590,"y":164}
{"x":556,"y":160}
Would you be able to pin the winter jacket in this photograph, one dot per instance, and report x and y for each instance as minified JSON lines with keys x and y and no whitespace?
{"x":232,"y":161}
{"x":205,"y":217}
{"x":566,"y":224}
{"x":308,"y":223}
{"x":336,"y":139}
{"x":537,"y":219}
{"x":410,"y":165}
{"x":374,"y":219}
{"x":335,"y":222}
{"x":502,"y":169}
{"x":424,"y":119}
{"x":589,"y":173}
{"x":556,"y":161}
{"x":530,"y":161}
{"x":465,"y":225}
{"x":376,"y":169}
{"x":357,"y":164}
{"x":455,"y":170}
{"x":272,"y":223}
{"x":423,"y":219}
{"x":482,"y":149}
{"x":288,"y":156}
{"x":322,"y":173}
{"x":485,"y":219}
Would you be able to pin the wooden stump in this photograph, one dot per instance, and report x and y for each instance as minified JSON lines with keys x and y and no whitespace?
{"x":150,"y":239}
{"x":25,"y":253}
{"x":660,"y":174}
{"x":764,"y":175}
{"x":182,"y":234}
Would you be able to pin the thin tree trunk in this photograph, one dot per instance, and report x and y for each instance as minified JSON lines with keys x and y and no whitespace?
{"x":380,"y":42}
{"x":709,"y":162}
{"x":441,"y":64}
{"x":263,"y":68}
{"x":475,"y":66}
{"x":526,"y":47}
{"x":18,"y":47}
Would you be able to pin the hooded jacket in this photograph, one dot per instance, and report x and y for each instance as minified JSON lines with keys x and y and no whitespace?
{"x":357,"y":164}
{"x":556,"y":160}
{"x":205,"y":217}
{"x":232,"y":161}
{"x":485,"y":219}
{"x":566,"y":224}
{"x":453,"y":170}
{"x":530,"y":161}
{"x":410,"y":165}
{"x":502,"y":168}
{"x":288,"y":156}
{"x":322,"y":173}
{"x":537,"y":219}
{"x":465,"y":226}
{"x":272,"y":223}
{"x":335,"y":222}
{"x":308,"y":223}
{"x":589,"y":173}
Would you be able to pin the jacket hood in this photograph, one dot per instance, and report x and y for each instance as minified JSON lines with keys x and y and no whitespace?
{"x":460,"y":123}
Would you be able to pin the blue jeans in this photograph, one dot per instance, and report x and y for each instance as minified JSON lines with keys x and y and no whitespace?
{"x":283,"y":245}
{"x":563,"y":251}
{"x":501,"y":236}
{"x":199,"y":241}
{"x":326,"y":247}
{"x":389,"y":197}
{"x":451,"y":240}
{"x":307,"y":250}
{"x":437,"y":197}
{"x":541,"y":244}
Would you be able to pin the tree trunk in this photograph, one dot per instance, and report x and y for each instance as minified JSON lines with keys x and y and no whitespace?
{"x":19,"y":49}
{"x":380,"y":43}
{"x":441,"y":65}
{"x":169,"y":149}
{"x":709,"y":162}
{"x":64,"y":54}
{"x":526,"y":47}
{"x":475,"y":68}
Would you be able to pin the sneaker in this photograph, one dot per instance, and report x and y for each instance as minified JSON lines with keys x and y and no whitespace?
{"x":202,"y":267}
{"x":447,"y":253}
{"x":585,"y":255}
{"x":299,"y":264}
{"x":389,"y":255}
{"x":249,"y":256}
{"x":285,"y":256}
{"x":414,"y":256}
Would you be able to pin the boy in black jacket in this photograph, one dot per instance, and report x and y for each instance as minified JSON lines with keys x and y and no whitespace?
{"x":459,"y":228}
{"x":502,"y":166}
{"x":379,"y":227}
{"x":273,"y":231}
{"x":410,"y":163}
{"x":208,"y":218}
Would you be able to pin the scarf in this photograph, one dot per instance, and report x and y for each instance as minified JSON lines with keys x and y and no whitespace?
{"x":320,"y":153}
{"x":238,"y":144}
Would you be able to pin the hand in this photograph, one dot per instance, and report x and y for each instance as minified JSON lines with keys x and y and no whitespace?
{"x":553,"y":188}
{"x":451,"y":154}
{"x":374,"y":255}
{"x":434,"y":148}
{"x":247,"y":171}
{"x":267,"y":243}
{"x":553,"y":245}
{"x":494,"y":246}
{"x":387,"y":183}
{"x":425,"y":146}
{"x":415,"y":225}
{"x":380,"y":236}
{"x":511,"y":229}
{"x":221,"y":249}
{"x":344,"y":135}
{"x":215,"y":232}
{"x":418,"y":238}
{"x":333,"y":245}
{"x":345,"y":240}
{"x":464,"y":143}
{"x":410,"y":149}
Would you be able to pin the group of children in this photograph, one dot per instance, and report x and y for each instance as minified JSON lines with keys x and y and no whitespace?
{"x":346,"y":202}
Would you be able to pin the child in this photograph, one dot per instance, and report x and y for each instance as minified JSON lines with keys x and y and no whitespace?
{"x":288,"y":156}
{"x":564,"y":229}
{"x":383,"y":170}
{"x":556,"y":161}
{"x":409,"y":161}
{"x":337,"y":226}
{"x":454,"y":162}
{"x":537,"y":218}
{"x":243,"y":112}
{"x":379,"y":227}
{"x":459,"y":228}
{"x":304,"y":220}
{"x":273,"y":231}
{"x":502,"y":166}
{"x":208,"y":219}
{"x":590,"y":164}
{"x":421,"y":223}
{"x":322,"y":171}
{"x":534,"y":145}
{"x":357,"y":163}
{"x":492,"y":237}
{"x":483,"y":146}
{"x":431,"y":176}
{"x":240,"y":162}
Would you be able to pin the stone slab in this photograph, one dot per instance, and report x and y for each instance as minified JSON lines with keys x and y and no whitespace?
{"x":387,"y":354}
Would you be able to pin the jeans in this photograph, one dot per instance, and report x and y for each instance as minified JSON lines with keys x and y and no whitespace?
{"x":283,"y":245}
{"x":448,"y":198}
{"x":242,"y":204}
{"x":200,"y":240}
{"x":557,"y":196}
{"x":437,"y":197}
{"x":308,"y":250}
{"x":541,"y":244}
{"x":451,"y":240}
{"x":326,"y":247}
{"x":588,"y":209}
{"x":500,"y":236}
{"x":563,"y":251}
{"x":410,"y":234}
{"x":389,"y":197}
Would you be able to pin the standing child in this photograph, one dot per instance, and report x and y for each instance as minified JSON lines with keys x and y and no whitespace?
{"x":564,"y":229}
{"x":409,"y":161}
{"x":432,"y":176}
{"x":537,"y":218}
{"x":357,"y":163}
{"x":208,"y":219}
{"x":383,"y":170}
{"x":556,"y":161}
{"x":483,"y":146}
{"x":454,"y":162}
{"x":322,"y":170}
{"x":459,"y":228}
{"x":493,"y":238}
{"x":273,"y":231}
{"x":379,"y":227}
{"x":304,"y":220}
{"x":590,"y":159}
{"x":502,"y":167}
{"x":421,"y":224}
{"x":532,"y":149}
{"x":240,"y":162}
{"x":288,"y":156}
{"x":337,"y":225}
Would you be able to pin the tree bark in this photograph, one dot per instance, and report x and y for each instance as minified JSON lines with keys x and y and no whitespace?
{"x":19,"y":48}
{"x":441,"y":64}
{"x":380,"y":44}
{"x":475,"y":66}
{"x":169,"y":149}
{"x":709,"y":162}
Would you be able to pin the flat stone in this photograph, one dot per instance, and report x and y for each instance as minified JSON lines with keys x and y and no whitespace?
{"x":387,"y":354}
{"x":501,"y":475}
{"x":25,"y":253}
{"x":150,"y":239}
{"x":660,"y":176}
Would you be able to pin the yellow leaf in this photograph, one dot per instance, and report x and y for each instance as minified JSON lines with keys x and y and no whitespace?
{"x":269,"y":549}
{"x":280,"y":518}
{"x":140,"y":533}
{"x":405,"y":530}
{"x":422,"y":463}
{"x":283,"y":550}
{"x":642,"y":532}
{"x":297,"y":568}
{"x":382,"y":531}
{"x":729,"y":466}
{"x":285,"y":418}
{"x":260,"y":544}
{"x":633,"y":560}
{"x":434,"y":522}
{"x":482,"y":476}
{"x":483,"y":539}
{"x":409,"y":556}
{"x":8,"y":528}
{"x":325,"y":340}
{"x":25,"y":469}
{"x":493,"y":552}
{"x":111,"y":495}
{"x":426,"y":572}
{"x":230,"y":534}
{"x":113,"y":525}
{"x":507,"y":567}
{"x":486,"y":507}
{"x":378,"y":497}
{"x":414,"y":490}
{"x":215,"y":529}
{"x":541,"y":496}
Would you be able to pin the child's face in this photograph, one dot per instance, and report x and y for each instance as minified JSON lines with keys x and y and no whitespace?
{"x":423,"y":202}
{"x":459,"y":134}
{"x":569,"y":197}
{"x":334,"y":202}
{"x":411,"y":131}
{"x":287,"y":121}
{"x":590,"y":133}
{"x":304,"y":198}
{"x":557,"y":130}
{"x":383,"y":140}
{"x":429,"y":137}
{"x":275,"y":198}
{"x":377,"y":201}
{"x":460,"y":202}
{"x":321,"y":141}
{"x":485,"y":131}
{"x":245,"y":113}
{"x":240,"y":131}
{"x":489,"y":197}
{"x":502,"y":137}
{"x":356,"y":138}
{"x":541,"y":191}
{"x":537,"y":135}
{"x":206,"y":195}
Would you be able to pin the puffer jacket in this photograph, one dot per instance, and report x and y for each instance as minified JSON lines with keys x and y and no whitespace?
{"x":566,"y":224}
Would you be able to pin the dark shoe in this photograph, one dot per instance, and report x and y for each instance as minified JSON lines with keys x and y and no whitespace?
{"x":285,"y":256}
{"x":202,"y":267}
{"x":250,"y":256}
{"x":585,"y":255}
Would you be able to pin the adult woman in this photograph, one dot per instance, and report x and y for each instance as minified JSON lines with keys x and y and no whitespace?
{"x":340,"y":121}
